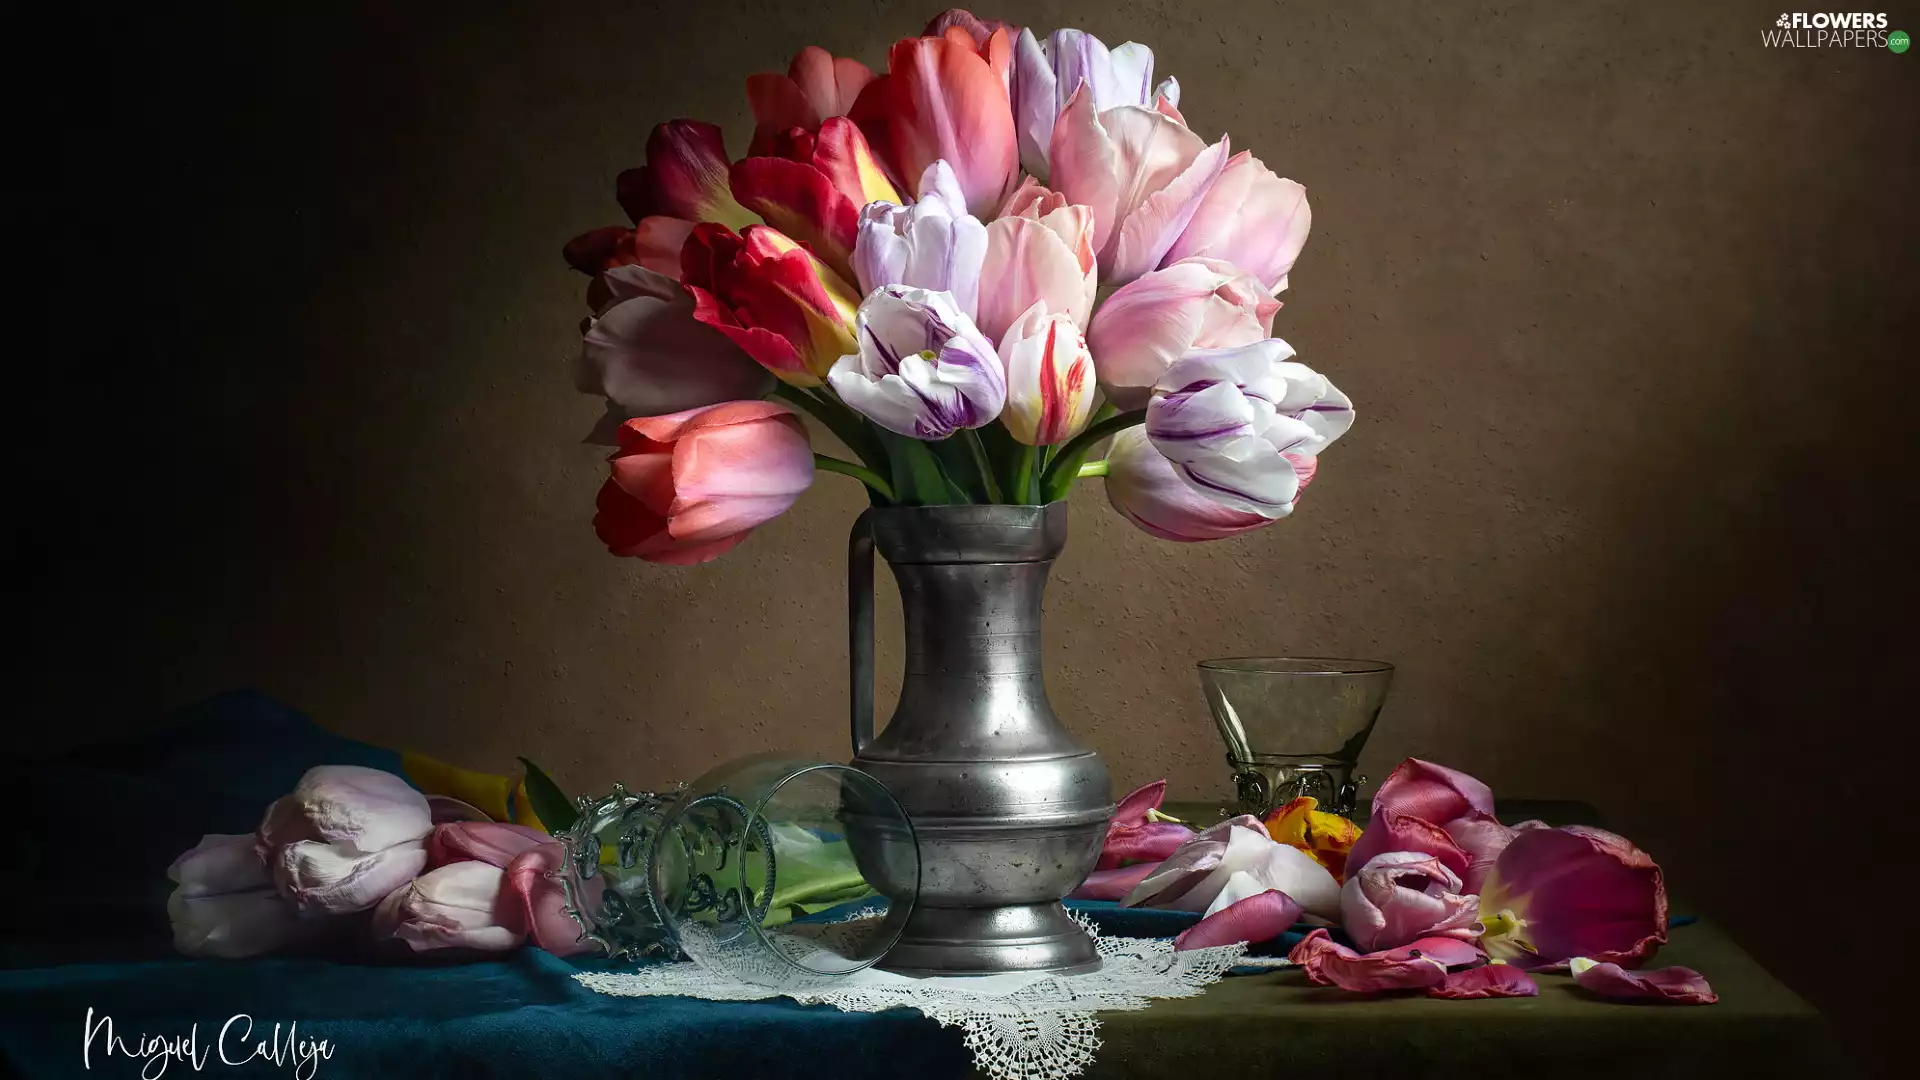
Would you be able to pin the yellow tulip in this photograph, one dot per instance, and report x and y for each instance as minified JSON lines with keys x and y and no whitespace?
{"x":1327,"y":838}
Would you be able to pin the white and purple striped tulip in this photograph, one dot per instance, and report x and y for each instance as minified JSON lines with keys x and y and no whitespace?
{"x":1230,"y":419}
{"x":932,"y":244}
{"x":1045,"y":75}
{"x":923,"y":370}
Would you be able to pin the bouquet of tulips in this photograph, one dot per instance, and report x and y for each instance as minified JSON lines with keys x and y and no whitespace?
{"x":971,"y":270}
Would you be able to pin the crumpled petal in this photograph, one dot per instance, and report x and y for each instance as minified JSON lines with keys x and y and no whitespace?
{"x":1328,"y":963}
{"x":358,"y":808}
{"x":1679,"y":985}
{"x":1401,"y":896}
{"x":1262,"y":916}
{"x":460,"y":905}
{"x":1299,"y":823}
{"x":1389,"y":830}
{"x":1177,"y":874}
{"x":1483,"y":838}
{"x":328,"y":878}
{"x":1193,"y":877}
{"x":1486,"y":981}
{"x":1450,"y":952}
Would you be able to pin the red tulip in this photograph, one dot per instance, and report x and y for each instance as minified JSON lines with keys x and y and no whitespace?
{"x":689,"y":487}
{"x":1555,"y":894}
{"x":774,"y":298}
{"x":685,"y":177}
{"x":946,"y":98}
{"x":814,"y":192}
{"x":816,"y":88}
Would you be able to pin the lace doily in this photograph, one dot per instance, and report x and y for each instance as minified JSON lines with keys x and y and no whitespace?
{"x":1019,"y":1026}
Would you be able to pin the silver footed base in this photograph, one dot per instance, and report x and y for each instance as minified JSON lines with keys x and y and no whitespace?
{"x":989,"y":941}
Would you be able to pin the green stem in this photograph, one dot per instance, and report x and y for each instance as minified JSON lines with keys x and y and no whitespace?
{"x":1092,"y":468}
{"x":845,"y":425}
{"x":979,"y":451}
{"x":1066,"y":463}
{"x":858,"y":472}
{"x":1023,"y":474}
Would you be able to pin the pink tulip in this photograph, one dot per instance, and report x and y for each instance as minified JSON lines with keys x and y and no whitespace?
{"x":1679,"y":985}
{"x":1144,"y":489}
{"x":1401,"y":896}
{"x":1486,"y":981}
{"x":689,"y":487}
{"x":1050,"y":386}
{"x":491,"y":842}
{"x":648,"y":356}
{"x":817,"y":87}
{"x":1434,"y":792}
{"x":1142,"y":173}
{"x":225,"y":904}
{"x":1555,"y":894}
{"x":460,"y":905}
{"x":1329,"y":963}
{"x":1164,"y":315}
{"x":1419,"y":802}
{"x":1132,"y":837}
{"x":1039,"y":249}
{"x":1250,"y":218}
{"x":945,"y":97}
{"x":346,"y":837}
{"x":543,"y":901}
{"x":1483,"y":838}
{"x":1389,"y":830}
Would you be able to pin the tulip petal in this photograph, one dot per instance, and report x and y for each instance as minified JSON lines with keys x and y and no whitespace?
{"x":1149,"y":843}
{"x":1436,"y":793}
{"x":1486,"y":981}
{"x":1328,"y":963}
{"x":219,"y":863}
{"x":841,"y":152}
{"x":1027,"y":262}
{"x":649,"y":355}
{"x":1574,"y":891}
{"x":1086,"y":164}
{"x":1132,"y":810}
{"x":1398,"y":897}
{"x":687,"y":166}
{"x":941,"y":98}
{"x":1262,"y":916}
{"x":1144,"y":488}
{"x":1151,"y":153}
{"x":532,"y":880}
{"x":1113,"y":883}
{"x":360,"y":809}
{"x":326,"y":878}
{"x":1250,"y":218}
{"x":460,"y":905}
{"x":1448,"y":951}
{"x":234,"y":925}
{"x":800,"y":201}
{"x":1480,"y":835}
{"x":1678,"y":985}
{"x":1178,"y":874}
{"x":1161,"y":317}
{"x":1150,"y":230}
{"x":731,"y":478}
{"x":493,"y":843}
{"x":1195,"y":883}
{"x":1389,"y":830}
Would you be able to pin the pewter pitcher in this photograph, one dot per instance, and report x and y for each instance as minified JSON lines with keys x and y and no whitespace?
{"x":1010,"y":809}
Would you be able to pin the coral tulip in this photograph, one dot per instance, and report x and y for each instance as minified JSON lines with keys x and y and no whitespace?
{"x":1162,"y":316}
{"x":945,"y":97}
{"x":922,"y":369}
{"x":688,"y":487}
{"x":1050,"y":384}
{"x":774,"y":298}
{"x":817,"y":87}
{"x":345,"y":838}
{"x":1400,"y":896}
{"x":1229,"y":418}
{"x":460,"y":905}
{"x":1039,"y":248}
{"x":933,"y":244}
{"x":1555,"y":894}
{"x":1046,"y":73}
{"x":1250,"y":218}
{"x":647,"y":354}
{"x":1141,"y":172}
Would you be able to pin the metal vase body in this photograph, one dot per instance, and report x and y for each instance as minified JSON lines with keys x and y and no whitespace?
{"x":1009,"y":809}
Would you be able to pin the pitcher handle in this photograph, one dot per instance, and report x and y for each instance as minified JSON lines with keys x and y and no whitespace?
{"x":860,"y":630}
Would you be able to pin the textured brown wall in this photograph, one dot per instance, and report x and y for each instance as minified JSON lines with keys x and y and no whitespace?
{"x":1618,"y":291}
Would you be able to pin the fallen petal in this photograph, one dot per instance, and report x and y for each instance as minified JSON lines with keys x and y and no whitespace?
{"x":1679,"y":985}
{"x":1328,"y":963}
{"x":1261,"y":917}
{"x":1113,"y":884}
{"x":1181,"y":871}
{"x":1486,"y":981}
{"x":1451,"y":952}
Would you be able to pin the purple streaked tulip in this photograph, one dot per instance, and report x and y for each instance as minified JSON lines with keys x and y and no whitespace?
{"x":932,"y":244}
{"x":1159,"y":317}
{"x":1142,"y":173}
{"x":1046,"y":74}
{"x":1555,"y":894}
{"x":1400,"y":896}
{"x":1250,"y":218}
{"x":1143,"y":488}
{"x":923,"y":369}
{"x":1228,"y":419}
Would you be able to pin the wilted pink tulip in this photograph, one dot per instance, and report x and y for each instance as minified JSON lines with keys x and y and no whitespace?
{"x":647,"y":355}
{"x":1141,"y":172}
{"x":1143,"y":487}
{"x":817,"y":87}
{"x":1433,"y":792}
{"x":1050,"y":385}
{"x":225,"y":904}
{"x":1389,"y":830}
{"x":1679,"y":985}
{"x":1555,"y":894}
{"x":689,"y":487}
{"x":1443,"y":812}
{"x":1039,"y":249}
{"x":460,"y":905}
{"x":345,"y":838}
{"x":1164,"y":315}
{"x":1401,"y":896}
{"x":542,"y":899}
{"x":1250,"y":218}
{"x":492,"y":842}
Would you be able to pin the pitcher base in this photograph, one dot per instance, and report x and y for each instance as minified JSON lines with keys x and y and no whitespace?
{"x":991,"y":940}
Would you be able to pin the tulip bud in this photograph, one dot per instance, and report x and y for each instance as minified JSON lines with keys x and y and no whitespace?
{"x":1050,"y":385}
{"x":933,"y":244}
